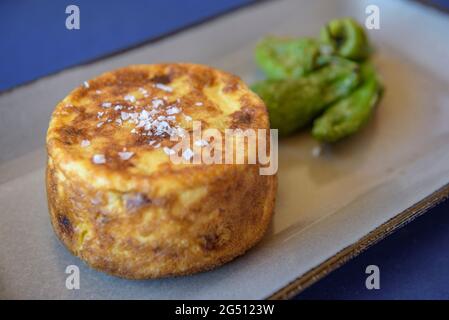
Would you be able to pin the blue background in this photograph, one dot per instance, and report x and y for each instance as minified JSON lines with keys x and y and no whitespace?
{"x":34,"y":41}
{"x":414,"y":263}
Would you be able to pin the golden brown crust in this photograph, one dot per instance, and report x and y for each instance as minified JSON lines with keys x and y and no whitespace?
{"x":145,"y":217}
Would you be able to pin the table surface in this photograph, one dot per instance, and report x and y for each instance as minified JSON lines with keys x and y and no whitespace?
{"x":34,"y":45}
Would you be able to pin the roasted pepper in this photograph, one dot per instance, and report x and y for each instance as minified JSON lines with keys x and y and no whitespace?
{"x":347,"y":38}
{"x":293,"y":103}
{"x":349,"y":114}
{"x":284,"y":58}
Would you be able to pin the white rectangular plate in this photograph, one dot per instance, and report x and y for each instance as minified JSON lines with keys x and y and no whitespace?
{"x":328,"y":207}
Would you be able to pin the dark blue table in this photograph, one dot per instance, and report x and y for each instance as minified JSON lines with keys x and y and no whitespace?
{"x":34,"y":41}
{"x":413,"y":261}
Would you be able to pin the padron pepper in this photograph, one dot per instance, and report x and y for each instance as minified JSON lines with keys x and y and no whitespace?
{"x":309,"y":78}
{"x":347,"y":38}
{"x":294,"y":102}
{"x":285,"y":58}
{"x":349,"y":114}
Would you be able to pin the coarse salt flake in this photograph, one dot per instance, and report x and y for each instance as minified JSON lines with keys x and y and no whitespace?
{"x":141,"y":124}
{"x":125,"y":155}
{"x":124,"y":115}
{"x":157,"y":103}
{"x":173,"y":110}
{"x":99,"y":159}
{"x":85,"y":143}
{"x":169,"y":151}
{"x":163,"y":87}
{"x":130,"y":98}
{"x":144,"y":115}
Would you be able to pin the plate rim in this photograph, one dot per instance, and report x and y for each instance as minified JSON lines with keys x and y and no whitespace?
{"x":401,"y":219}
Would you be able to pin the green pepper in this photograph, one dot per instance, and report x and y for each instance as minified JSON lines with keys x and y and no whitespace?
{"x":293,"y":103}
{"x":348,"y":115}
{"x":284,"y":58}
{"x":347,"y":38}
